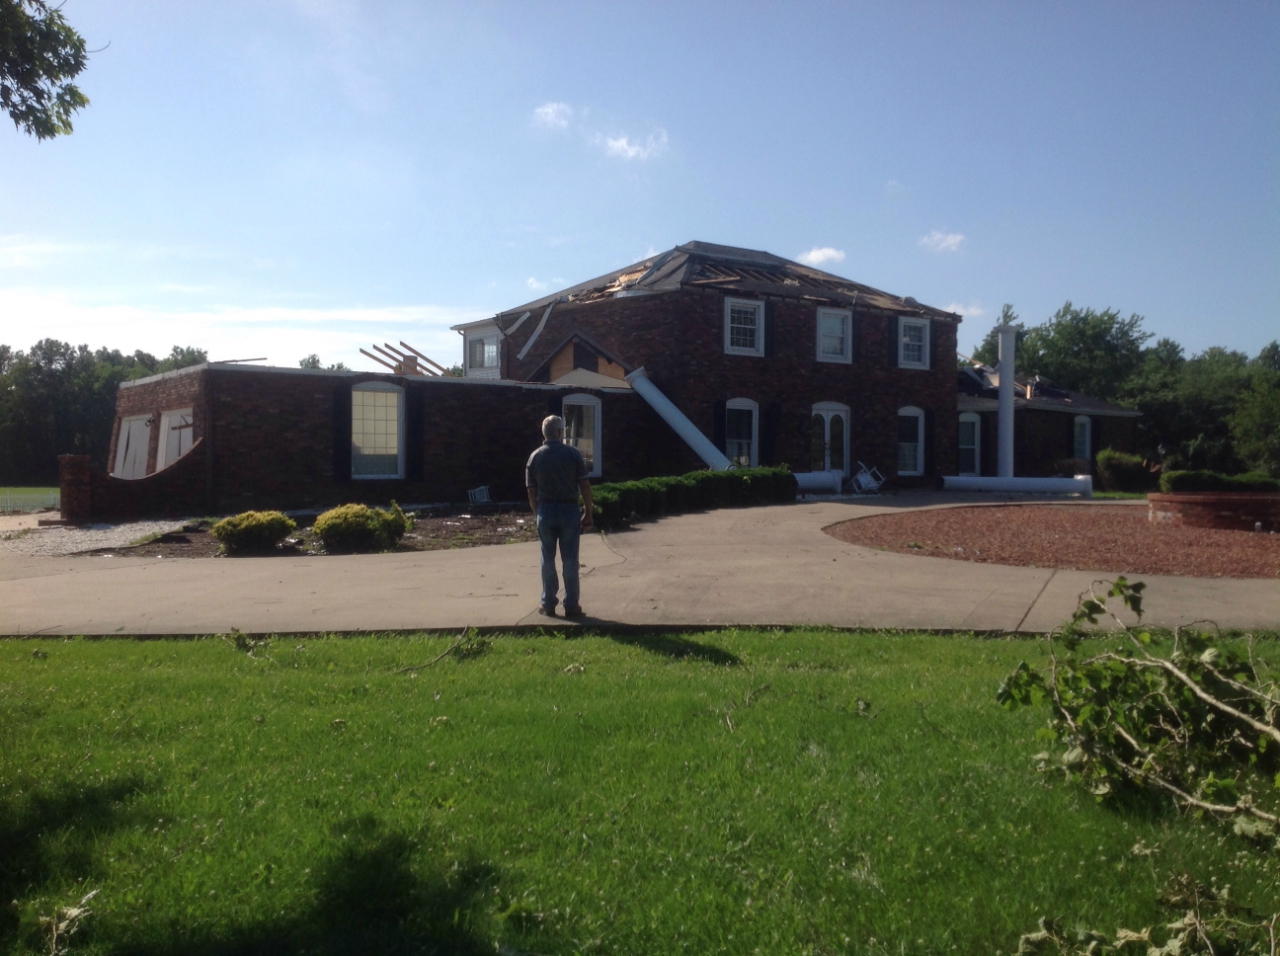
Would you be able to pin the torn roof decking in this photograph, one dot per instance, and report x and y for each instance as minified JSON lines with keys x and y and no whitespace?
{"x":704,"y":265}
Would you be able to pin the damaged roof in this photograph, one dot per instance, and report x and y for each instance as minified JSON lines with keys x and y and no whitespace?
{"x":705,"y":265}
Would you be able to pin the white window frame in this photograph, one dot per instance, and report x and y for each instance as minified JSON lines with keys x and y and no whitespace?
{"x":1088,"y":437}
{"x":911,"y":411}
{"x":168,"y":419}
{"x":597,"y":464}
{"x":744,"y":404}
{"x":122,"y":446}
{"x":827,"y":410}
{"x":903,"y":324}
{"x":977,"y":444}
{"x":846,"y":315}
{"x":380,"y":387}
{"x":758,"y":307}
{"x":489,"y":337}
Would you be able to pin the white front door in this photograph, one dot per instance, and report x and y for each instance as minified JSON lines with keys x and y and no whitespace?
{"x":829,"y":437}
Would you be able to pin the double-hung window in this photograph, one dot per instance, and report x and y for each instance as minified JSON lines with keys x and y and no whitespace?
{"x":910,"y":441}
{"x":743,"y":327}
{"x":1083,"y":438}
{"x":970,"y":443}
{"x":582,"y":429}
{"x":741,"y":432}
{"x":835,"y":341}
{"x":377,"y":431}
{"x":913,"y":343}
{"x":482,"y":355}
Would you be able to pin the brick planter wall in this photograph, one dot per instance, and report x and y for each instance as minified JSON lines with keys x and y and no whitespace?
{"x":1235,"y":510}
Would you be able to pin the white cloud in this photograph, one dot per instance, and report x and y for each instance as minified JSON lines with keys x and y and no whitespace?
{"x":942,"y":241}
{"x":535,"y":285}
{"x":283,"y":334}
{"x":894,"y":188}
{"x":971,"y":311}
{"x":623,"y":148}
{"x":553,"y":115}
{"x":30,"y":252}
{"x":820,"y":254}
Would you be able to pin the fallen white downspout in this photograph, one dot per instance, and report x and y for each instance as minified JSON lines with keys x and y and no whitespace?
{"x":1079,"y":485}
{"x":819,"y":482}
{"x":679,"y":422}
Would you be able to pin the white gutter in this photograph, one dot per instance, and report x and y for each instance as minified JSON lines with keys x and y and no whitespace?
{"x":1004,"y":444}
{"x":1079,"y":485}
{"x":820,"y":482}
{"x":536,"y":332}
{"x":679,"y":422}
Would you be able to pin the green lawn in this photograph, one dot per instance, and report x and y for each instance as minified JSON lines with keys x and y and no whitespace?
{"x":730,"y":792}
{"x":24,"y":490}
{"x":1122,"y":495}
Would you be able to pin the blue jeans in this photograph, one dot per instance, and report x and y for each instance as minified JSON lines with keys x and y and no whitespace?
{"x":559,"y":521}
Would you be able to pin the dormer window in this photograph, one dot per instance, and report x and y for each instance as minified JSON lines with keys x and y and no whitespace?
{"x":743,"y":327}
{"x":482,"y":354}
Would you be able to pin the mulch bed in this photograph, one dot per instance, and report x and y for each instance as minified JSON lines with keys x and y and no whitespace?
{"x":1085,"y":538}
{"x":437,"y":533}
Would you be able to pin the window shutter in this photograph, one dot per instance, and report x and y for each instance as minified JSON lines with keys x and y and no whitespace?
{"x":855,"y":337}
{"x":769,"y":434}
{"x":769,"y":335}
{"x":415,"y":401}
{"x":929,"y":466}
{"x":717,"y":427}
{"x":893,"y":341}
{"x":555,"y":405}
{"x":342,"y":433}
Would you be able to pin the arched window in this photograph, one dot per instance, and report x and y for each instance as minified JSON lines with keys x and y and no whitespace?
{"x":910,"y":441}
{"x":742,"y":432}
{"x":829,"y":437}
{"x":582,"y":425}
{"x":970,"y":443}
{"x":377,"y":430}
{"x":1083,"y":438}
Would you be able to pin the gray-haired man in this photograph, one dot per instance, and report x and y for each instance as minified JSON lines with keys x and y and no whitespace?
{"x":555,"y":475}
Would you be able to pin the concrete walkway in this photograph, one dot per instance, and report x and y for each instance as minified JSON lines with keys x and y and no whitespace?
{"x":770,"y":565}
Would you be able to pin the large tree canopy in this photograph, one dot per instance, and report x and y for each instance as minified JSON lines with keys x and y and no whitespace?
{"x":40,"y":54}
{"x":1088,"y":351}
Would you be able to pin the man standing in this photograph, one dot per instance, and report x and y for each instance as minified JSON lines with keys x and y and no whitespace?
{"x":554,"y":476}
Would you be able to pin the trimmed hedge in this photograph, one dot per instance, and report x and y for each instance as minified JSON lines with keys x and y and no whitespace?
{"x":253,"y":532}
{"x":1119,"y":471}
{"x":618,"y":503}
{"x":1173,"y":481}
{"x":350,"y":528}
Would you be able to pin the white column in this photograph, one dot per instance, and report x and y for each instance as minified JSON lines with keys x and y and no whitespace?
{"x":678,"y":421}
{"x":1008,"y":345}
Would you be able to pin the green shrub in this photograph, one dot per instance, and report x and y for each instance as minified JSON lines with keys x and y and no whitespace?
{"x":253,"y":532}
{"x":354,"y":527}
{"x":1173,"y":481}
{"x":621,"y":502}
{"x":1119,"y":471}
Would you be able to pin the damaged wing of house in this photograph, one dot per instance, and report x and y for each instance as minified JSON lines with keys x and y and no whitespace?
{"x":702,"y":356}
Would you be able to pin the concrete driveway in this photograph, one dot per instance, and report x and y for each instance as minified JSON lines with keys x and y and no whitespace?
{"x":769,"y":565}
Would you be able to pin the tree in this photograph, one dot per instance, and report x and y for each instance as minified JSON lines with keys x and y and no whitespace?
{"x":40,"y":53}
{"x":313,"y":361}
{"x":1086,"y":351}
{"x":1255,"y":424}
{"x":988,"y":353}
{"x":1269,"y":357}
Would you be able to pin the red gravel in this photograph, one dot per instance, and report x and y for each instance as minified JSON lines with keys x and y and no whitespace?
{"x":1086,"y":538}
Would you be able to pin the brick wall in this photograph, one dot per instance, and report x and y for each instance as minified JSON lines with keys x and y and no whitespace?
{"x":679,"y":338}
{"x":185,"y":388}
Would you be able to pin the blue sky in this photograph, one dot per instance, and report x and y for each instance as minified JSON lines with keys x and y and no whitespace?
{"x":279,"y":177}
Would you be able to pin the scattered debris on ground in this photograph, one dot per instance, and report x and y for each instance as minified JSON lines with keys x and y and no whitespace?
{"x":1094,"y":538}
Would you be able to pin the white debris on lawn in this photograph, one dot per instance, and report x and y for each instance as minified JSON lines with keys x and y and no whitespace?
{"x":69,"y":539}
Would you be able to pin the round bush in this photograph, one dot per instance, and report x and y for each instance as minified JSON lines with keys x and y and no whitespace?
{"x":253,"y":531}
{"x":355,"y":527}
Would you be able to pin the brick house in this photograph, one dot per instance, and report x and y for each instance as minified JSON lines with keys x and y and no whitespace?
{"x":691,"y":357}
{"x":1056,"y":431}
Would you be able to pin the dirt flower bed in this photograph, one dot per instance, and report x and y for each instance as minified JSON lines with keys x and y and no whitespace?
{"x":439,"y":533}
{"x":1087,"y":538}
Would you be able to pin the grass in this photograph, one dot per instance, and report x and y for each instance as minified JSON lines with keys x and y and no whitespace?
{"x":732,"y":792}
{"x":23,"y":490}
{"x":1121,"y":495}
